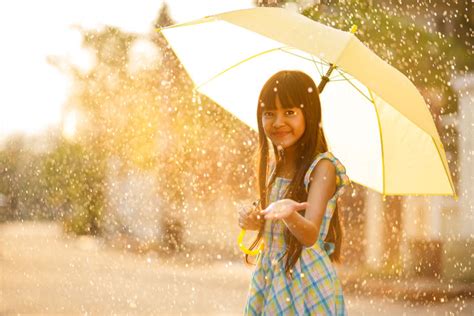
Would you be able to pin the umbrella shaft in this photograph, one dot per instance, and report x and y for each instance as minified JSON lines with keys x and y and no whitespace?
{"x":325,"y":78}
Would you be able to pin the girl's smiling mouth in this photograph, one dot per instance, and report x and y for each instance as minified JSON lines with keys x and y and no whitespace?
{"x":281,"y":134}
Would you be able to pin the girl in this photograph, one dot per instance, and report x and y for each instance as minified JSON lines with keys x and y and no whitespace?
{"x":297,"y":218}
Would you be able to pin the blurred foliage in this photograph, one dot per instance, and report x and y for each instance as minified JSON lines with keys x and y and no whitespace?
{"x":150,"y":119}
{"x":50,"y":185}
{"x":74,"y":186}
{"x":20,"y":183}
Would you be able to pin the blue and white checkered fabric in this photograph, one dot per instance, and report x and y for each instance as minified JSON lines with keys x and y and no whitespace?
{"x":315,"y":288}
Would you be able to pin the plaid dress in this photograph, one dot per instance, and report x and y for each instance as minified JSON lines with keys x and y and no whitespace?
{"x":315,"y":288}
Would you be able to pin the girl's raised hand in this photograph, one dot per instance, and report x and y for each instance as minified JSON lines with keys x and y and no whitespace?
{"x":282,"y":209}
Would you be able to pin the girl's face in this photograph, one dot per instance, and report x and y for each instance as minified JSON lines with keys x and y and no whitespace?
{"x":283,"y":126}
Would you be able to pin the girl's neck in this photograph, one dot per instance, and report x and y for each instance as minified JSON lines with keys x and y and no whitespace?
{"x":287,"y":164}
{"x":284,"y":173}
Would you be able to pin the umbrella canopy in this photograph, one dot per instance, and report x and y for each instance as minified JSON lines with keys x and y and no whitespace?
{"x":375,"y":120}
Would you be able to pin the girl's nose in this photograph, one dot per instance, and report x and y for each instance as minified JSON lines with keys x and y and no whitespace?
{"x":279,"y":121}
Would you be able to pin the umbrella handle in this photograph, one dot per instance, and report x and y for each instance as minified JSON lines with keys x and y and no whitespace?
{"x":240,"y":242}
{"x":325,"y":78}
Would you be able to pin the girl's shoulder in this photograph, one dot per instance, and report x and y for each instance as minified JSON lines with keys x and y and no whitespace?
{"x":341,"y":177}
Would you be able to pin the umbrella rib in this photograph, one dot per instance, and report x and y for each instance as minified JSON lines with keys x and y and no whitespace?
{"x":445,"y":170}
{"x":381,"y":140}
{"x":322,"y":63}
{"x":237,"y":64}
{"x":338,"y":75}
{"x":345,"y":75}
{"x":361,"y":92}
{"x":406,"y":194}
{"x":335,"y":80}
{"x":316,"y":65}
{"x":206,"y":19}
{"x":382,"y":151}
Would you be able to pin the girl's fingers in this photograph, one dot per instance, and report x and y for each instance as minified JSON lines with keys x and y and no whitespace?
{"x":271,"y":216}
{"x":302,"y":206}
{"x":271,"y":212}
{"x":266,"y":211}
{"x":298,"y":206}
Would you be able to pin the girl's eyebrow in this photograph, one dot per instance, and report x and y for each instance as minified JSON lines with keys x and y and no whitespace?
{"x":283,"y":109}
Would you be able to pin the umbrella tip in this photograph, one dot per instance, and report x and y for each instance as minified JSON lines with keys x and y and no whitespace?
{"x":354,"y":29}
{"x":456,"y":197}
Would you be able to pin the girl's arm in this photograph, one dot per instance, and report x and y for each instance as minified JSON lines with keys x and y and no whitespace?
{"x":322,"y":188}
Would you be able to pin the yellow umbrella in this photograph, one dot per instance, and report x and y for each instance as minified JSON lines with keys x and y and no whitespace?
{"x":374,"y":119}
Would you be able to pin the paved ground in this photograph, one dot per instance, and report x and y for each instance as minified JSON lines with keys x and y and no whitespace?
{"x":43,"y":272}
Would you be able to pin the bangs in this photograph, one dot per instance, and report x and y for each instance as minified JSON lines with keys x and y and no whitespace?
{"x":291,"y":92}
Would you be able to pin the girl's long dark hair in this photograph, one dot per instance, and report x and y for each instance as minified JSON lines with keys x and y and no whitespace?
{"x":294,"y":88}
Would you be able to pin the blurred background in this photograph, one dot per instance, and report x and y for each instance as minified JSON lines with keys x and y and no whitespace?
{"x":119,"y":187}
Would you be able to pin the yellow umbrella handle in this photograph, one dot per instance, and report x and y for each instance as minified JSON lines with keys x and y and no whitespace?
{"x":240,"y":241}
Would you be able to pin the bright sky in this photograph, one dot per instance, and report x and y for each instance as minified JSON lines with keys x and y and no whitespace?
{"x":32,"y":91}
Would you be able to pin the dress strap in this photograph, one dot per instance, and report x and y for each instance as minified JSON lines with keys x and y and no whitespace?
{"x":341,"y":178}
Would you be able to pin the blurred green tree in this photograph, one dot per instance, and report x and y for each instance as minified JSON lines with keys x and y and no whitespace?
{"x":149,"y":118}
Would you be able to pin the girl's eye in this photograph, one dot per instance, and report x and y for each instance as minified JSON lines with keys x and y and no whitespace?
{"x":287,"y":113}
